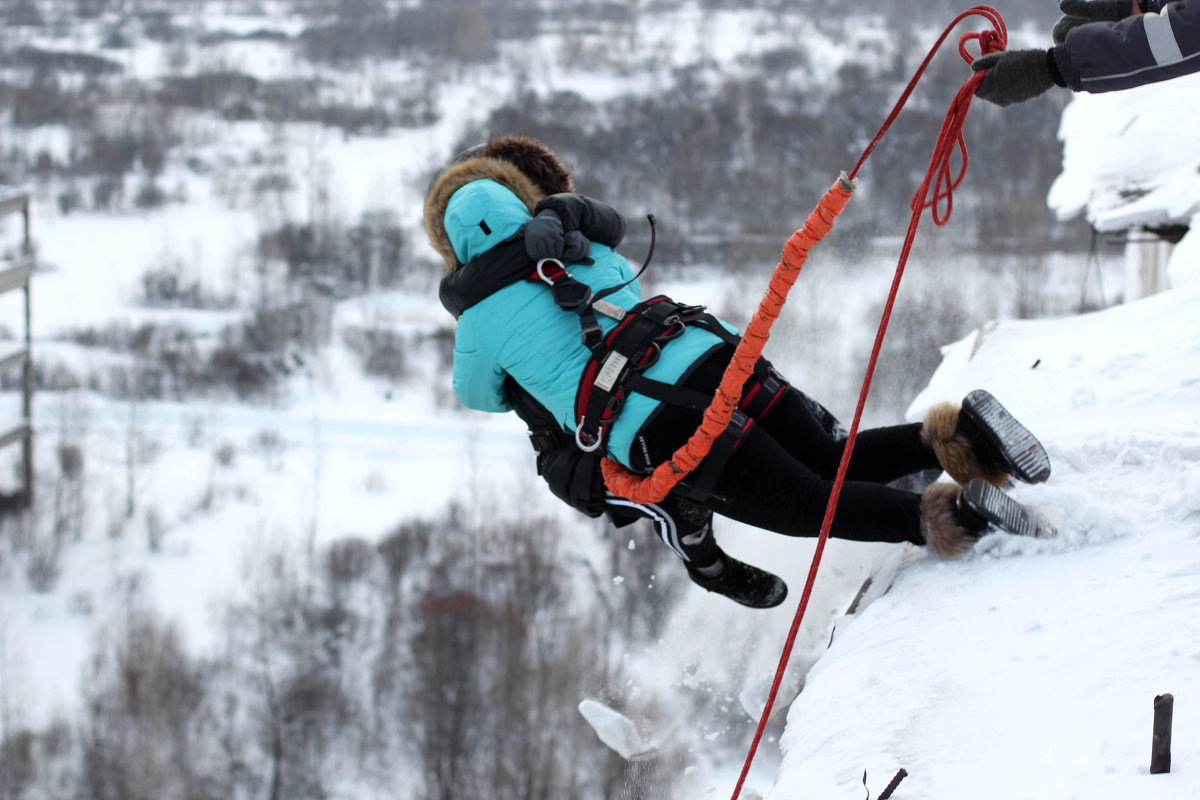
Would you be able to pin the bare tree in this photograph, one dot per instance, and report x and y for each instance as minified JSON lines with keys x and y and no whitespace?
{"x":143,"y":694}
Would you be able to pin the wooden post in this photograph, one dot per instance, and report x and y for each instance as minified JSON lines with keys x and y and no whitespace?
{"x":1160,"y":752}
{"x":27,"y":376}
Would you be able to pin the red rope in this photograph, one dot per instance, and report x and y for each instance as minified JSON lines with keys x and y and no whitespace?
{"x":949,"y":140}
{"x":655,"y":486}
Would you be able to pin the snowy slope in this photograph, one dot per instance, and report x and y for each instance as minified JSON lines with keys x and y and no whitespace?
{"x":1028,"y":669}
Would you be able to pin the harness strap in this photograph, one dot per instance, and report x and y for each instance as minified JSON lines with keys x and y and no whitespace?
{"x":570,"y":295}
{"x":759,"y":395}
{"x":701,"y":484}
{"x":669,"y":393}
{"x":768,"y":387}
{"x":619,"y":359}
{"x":631,"y":348}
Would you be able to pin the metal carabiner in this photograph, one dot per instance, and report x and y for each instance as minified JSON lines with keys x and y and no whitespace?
{"x":587,"y":448}
{"x":541,"y":273}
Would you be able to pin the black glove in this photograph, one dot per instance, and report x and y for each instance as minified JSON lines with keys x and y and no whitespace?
{"x":1014,"y":76}
{"x":575,"y":247}
{"x":1081,"y":12}
{"x":544,"y":236}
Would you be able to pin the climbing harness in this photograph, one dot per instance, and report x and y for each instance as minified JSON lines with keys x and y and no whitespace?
{"x":620,"y":359}
{"x":619,"y":362}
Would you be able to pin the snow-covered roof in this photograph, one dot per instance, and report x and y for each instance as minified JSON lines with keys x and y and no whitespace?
{"x":1132,"y":158}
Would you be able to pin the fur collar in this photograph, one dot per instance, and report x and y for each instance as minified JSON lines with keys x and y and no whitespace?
{"x":458,"y":176}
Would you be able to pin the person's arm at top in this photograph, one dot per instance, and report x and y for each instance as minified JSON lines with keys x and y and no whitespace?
{"x":1161,"y":43}
{"x":1103,"y":45}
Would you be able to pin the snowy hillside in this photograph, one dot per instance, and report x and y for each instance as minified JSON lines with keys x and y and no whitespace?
{"x":1029,"y":668}
{"x":265,"y":532}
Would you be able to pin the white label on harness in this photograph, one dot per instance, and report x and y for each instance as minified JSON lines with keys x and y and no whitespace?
{"x":610,"y":371}
{"x":610,"y":310}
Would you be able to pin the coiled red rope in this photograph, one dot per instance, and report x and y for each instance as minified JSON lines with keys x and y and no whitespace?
{"x":943,"y":180}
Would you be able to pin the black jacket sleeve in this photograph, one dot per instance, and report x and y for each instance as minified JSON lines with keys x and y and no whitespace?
{"x":596,"y":220}
{"x":1143,"y":48}
{"x":572,"y":475}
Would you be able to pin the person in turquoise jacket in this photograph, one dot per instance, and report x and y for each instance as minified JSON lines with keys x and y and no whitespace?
{"x":520,"y":332}
{"x":505,"y":213}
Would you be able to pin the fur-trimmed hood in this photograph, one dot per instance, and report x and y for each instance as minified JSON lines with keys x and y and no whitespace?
{"x":456,"y":177}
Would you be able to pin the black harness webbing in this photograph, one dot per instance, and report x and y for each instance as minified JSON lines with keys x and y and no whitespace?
{"x":619,"y":359}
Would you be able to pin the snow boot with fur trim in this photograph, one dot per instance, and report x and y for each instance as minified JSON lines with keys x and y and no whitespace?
{"x":953,"y":518}
{"x":981,"y":439}
{"x":981,"y":502}
{"x":740,"y":582}
{"x":948,"y":532}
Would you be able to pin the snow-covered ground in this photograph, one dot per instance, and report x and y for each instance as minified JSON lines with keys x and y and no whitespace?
{"x":1029,"y":668}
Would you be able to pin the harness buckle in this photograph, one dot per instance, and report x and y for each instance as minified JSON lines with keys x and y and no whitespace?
{"x":546,"y":439}
{"x":592,"y":334}
{"x":674,"y":332}
{"x":569,"y":294}
{"x":648,"y":357}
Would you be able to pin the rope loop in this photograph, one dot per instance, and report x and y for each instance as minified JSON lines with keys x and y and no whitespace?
{"x":991,"y":40}
{"x":950,"y":140}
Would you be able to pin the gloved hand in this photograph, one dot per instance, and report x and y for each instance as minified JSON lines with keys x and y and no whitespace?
{"x":1081,"y":12}
{"x":1013,"y":76}
{"x":544,"y":236}
{"x":575,"y":247}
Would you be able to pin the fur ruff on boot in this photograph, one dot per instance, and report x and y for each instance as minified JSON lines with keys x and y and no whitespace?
{"x":941,"y":525}
{"x":954,"y":449}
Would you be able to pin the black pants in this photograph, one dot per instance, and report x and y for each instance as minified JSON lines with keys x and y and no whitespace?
{"x":781,"y":474}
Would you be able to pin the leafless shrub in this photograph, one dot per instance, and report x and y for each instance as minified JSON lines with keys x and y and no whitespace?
{"x":144,"y":694}
{"x":68,"y":494}
{"x":170,"y":284}
{"x":381,"y":352}
{"x":349,"y":560}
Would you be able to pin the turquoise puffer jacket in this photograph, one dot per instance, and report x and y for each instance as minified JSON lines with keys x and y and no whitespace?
{"x":519,"y":331}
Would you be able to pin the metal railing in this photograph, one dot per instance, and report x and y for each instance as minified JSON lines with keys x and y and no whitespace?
{"x":15,"y":273}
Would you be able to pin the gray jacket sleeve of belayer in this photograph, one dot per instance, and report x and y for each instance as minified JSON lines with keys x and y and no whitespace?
{"x":1144,"y":48}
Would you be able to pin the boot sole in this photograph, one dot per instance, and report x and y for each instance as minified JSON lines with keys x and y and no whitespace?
{"x":1001,"y":511}
{"x":1022,"y":453}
